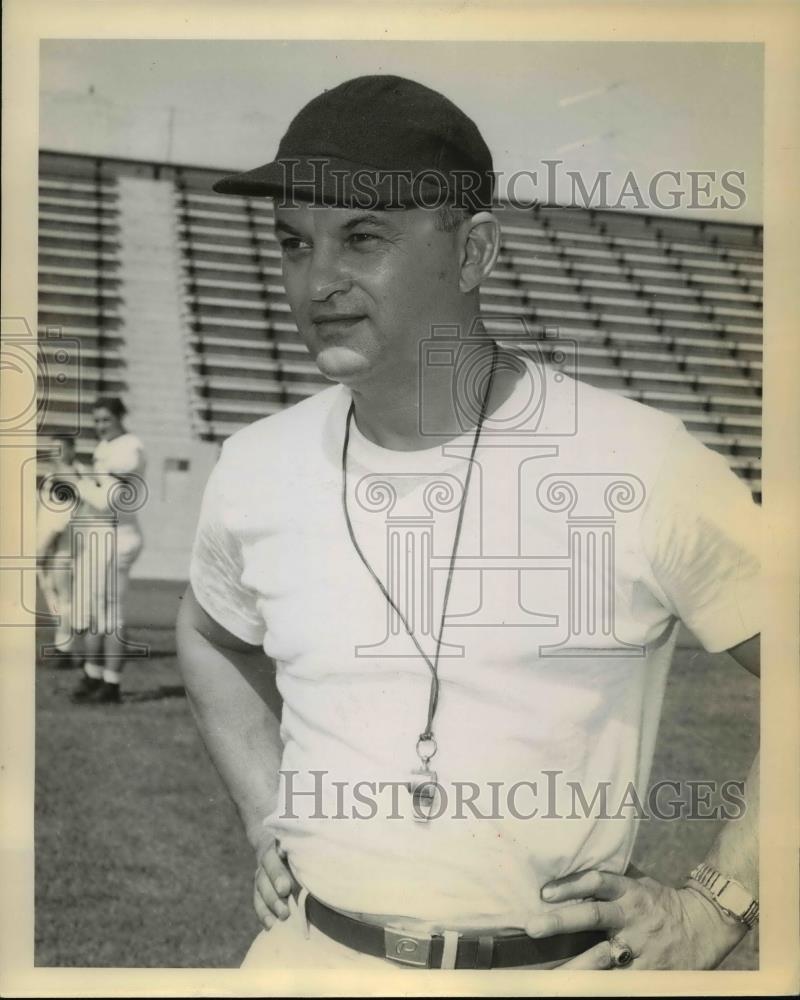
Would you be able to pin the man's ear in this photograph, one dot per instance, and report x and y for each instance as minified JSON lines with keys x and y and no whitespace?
{"x":480,"y":240}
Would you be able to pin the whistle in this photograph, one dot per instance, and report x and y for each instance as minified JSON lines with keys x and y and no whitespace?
{"x":423,"y":788}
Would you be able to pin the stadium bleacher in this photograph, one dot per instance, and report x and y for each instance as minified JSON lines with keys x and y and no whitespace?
{"x":79,"y":293}
{"x":667,"y":311}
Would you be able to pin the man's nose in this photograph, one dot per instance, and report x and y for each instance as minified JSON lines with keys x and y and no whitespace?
{"x":328,"y":274}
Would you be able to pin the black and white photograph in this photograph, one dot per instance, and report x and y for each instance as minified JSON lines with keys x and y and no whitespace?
{"x":394,"y":545}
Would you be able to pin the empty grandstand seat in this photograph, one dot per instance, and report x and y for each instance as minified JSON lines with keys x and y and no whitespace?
{"x":665,"y":310}
{"x":79,"y":292}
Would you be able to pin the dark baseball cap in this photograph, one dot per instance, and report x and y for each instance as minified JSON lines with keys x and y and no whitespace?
{"x":376,"y":142}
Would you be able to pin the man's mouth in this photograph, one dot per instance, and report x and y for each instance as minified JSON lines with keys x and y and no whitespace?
{"x":335,"y":322}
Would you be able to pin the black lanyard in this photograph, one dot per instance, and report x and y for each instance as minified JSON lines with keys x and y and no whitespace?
{"x":433,"y":665}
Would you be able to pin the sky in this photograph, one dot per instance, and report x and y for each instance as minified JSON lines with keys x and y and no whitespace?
{"x":626,"y":108}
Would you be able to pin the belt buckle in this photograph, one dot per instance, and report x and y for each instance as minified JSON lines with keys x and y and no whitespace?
{"x":407,"y":948}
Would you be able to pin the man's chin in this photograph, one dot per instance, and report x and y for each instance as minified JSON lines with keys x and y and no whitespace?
{"x":342,"y":364}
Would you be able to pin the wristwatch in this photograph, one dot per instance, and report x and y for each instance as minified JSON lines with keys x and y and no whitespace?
{"x":726,"y":893}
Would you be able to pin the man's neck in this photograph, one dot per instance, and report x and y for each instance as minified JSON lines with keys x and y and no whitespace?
{"x":113,"y":437}
{"x":391,"y":416}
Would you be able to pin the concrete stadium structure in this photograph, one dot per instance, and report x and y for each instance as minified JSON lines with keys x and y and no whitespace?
{"x":170,"y":296}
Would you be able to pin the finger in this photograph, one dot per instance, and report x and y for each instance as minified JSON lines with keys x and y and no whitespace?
{"x":277,"y":871}
{"x":273,"y":881}
{"x":599,"y":957}
{"x":580,"y":885}
{"x":588,"y":916}
{"x":267,"y":919}
{"x":270,"y":897}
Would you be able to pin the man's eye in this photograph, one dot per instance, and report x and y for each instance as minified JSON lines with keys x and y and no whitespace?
{"x":292,"y":243}
{"x":362,"y":237}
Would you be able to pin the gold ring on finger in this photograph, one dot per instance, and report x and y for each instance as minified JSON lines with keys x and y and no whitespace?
{"x":621,"y":953}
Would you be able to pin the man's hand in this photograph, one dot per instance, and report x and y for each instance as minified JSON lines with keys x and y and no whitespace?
{"x":273,"y":883}
{"x":664,"y":928}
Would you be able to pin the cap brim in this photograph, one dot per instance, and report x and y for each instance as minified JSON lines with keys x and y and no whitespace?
{"x":262,"y":182}
{"x":328,"y":180}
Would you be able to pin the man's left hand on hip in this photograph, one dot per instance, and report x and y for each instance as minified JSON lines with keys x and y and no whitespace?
{"x":649,"y":925}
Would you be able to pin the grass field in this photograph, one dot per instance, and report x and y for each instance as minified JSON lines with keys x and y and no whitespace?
{"x":140,"y":861}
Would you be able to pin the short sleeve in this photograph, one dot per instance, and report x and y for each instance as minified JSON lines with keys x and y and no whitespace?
{"x":215,"y":571}
{"x":124,"y":456}
{"x":701,"y":537}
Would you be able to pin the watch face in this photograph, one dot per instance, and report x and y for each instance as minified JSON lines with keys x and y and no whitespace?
{"x":734,"y":898}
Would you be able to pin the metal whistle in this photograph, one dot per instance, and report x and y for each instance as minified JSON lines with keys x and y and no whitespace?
{"x":423,"y":788}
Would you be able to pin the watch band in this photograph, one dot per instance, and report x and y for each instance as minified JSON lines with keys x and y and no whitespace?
{"x":726,"y":893}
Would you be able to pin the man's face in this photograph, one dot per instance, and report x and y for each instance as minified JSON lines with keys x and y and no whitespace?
{"x":366,"y":287}
{"x":106,"y":425}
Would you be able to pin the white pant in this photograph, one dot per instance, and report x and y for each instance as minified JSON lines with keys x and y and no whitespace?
{"x":102,"y":584}
{"x":289,"y":946}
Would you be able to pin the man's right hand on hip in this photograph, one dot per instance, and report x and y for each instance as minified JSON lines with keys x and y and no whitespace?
{"x":273,"y":883}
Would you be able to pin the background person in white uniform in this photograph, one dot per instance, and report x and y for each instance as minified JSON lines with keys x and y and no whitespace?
{"x":118,"y":463}
{"x":54,"y":547}
{"x":274,"y":571}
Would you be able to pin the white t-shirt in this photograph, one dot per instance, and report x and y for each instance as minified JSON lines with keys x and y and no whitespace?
{"x":544,"y":690}
{"x":121,"y":456}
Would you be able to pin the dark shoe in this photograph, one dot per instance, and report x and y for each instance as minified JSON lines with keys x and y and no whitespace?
{"x":87,"y":688}
{"x":106,"y":694}
{"x":67,"y":662}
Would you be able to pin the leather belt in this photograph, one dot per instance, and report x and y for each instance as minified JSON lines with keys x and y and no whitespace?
{"x":484,"y":951}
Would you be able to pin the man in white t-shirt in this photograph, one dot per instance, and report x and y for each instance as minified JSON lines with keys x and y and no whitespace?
{"x":467,"y":571}
{"x":112,"y":541}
